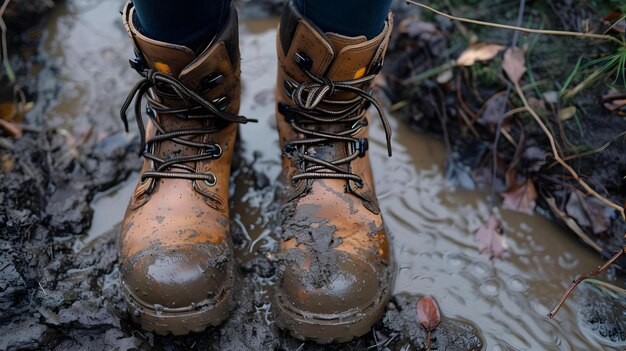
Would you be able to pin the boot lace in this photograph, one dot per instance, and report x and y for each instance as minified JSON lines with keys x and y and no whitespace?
{"x":313,"y":106}
{"x":195,"y":107}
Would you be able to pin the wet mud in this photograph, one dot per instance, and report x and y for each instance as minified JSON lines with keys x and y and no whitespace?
{"x":64,"y":185}
{"x":440,"y":108}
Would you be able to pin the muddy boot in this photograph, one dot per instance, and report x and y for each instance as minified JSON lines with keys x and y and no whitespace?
{"x":176,"y":256}
{"x":336,"y":270}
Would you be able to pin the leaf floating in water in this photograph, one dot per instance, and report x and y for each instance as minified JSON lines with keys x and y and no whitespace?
{"x":490,"y":239}
{"x":479,"y":52}
{"x":514,"y":64}
{"x":521,"y":197}
{"x":428,"y":313}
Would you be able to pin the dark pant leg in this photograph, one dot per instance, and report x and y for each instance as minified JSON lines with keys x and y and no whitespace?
{"x":346,"y":17}
{"x":183,"y":22}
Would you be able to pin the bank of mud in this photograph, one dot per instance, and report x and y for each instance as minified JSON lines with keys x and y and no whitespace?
{"x":60,"y":289}
{"x":459,"y":104}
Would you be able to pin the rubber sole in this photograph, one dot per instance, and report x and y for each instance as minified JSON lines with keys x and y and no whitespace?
{"x":326,"y":329}
{"x":179,"y":321}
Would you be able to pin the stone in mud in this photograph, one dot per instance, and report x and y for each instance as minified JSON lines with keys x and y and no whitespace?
{"x":602,"y":313}
{"x":401,"y":318}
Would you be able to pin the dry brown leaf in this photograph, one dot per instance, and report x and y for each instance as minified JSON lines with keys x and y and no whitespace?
{"x":537,"y":104}
{"x":479,"y":52}
{"x":587,"y":213}
{"x":490,"y":238}
{"x":7,"y":163}
{"x":570,"y":222}
{"x":414,"y":27}
{"x":521,"y":197}
{"x":428,"y":313}
{"x":567,"y":113}
{"x":494,"y":111}
{"x":617,"y":21}
{"x":514,"y":64}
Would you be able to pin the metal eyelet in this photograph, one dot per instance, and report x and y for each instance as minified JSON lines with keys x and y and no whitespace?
{"x":303,"y":61}
{"x":361,"y":145}
{"x":211,"y":181}
{"x":211,"y":81}
{"x":290,"y":149}
{"x":219,"y":151}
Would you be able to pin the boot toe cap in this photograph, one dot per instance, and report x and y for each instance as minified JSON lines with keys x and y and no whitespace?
{"x":178,"y":277}
{"x":333,"y":283}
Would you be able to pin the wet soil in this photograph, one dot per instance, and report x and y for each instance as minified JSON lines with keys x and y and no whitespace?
{"x":64,"y":185}
{"x":440,"y":106}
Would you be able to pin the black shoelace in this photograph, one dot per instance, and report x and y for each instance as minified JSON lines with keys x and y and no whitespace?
{"x":306,"y":110}
{"x":196,"y":107}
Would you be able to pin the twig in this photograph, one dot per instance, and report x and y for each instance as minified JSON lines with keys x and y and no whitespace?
{"x":581,"y":278}
{"x":520,"y":18}
{"x":522,"y":29}
{"x":5,"y":51}
{"x":558,"y":158}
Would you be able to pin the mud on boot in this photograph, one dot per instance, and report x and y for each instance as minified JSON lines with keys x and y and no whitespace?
{"x":336,"y":269}
{"x":176,"y":256}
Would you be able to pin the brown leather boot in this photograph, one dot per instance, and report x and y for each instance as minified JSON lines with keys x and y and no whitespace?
{"x":336,"y":271}
{"x":176,"y":259}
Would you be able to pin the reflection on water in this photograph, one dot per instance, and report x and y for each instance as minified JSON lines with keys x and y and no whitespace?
{"x":432,"y":224}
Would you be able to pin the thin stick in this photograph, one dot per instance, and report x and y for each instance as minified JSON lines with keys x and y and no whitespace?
{"x":581,"y":278}
{"x":522,"y":29}
{"x":428,"y":341}
{"x":558,"y":158}
{"x":3,"y":28}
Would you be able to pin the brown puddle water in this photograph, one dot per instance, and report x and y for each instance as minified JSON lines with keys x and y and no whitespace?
{"x":432,"y":223}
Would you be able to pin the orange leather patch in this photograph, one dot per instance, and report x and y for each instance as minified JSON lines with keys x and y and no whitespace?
{"x":360,"y":73}
{"x":162,"y":67}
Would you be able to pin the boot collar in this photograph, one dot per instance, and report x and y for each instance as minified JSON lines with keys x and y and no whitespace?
{"x":334,"y":56}
{"x":177,"y":60}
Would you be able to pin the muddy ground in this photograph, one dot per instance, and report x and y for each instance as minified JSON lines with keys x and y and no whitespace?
{"x":593,"y":136}
{"x":53,"y":297}
{"x":56,"y":294}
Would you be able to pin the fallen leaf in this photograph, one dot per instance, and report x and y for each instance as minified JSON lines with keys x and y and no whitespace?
{"x":587,"y":213}
{"x":514,"y":64}
{"x":7,"y":163}
{"x":571,"y":223}
{"x":537,"y":104}
{"x":428,"y":313}
{"x":12,"y":112}
{"x":414,"y":27}
{"x":479,"y":52}
{"x":521,"y":197}
{"x":617,"y":22}
{"x":567,"y":113}
{"x":615,"y":102}
{"x":490,"y":239}
{"x":494,"y":111}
